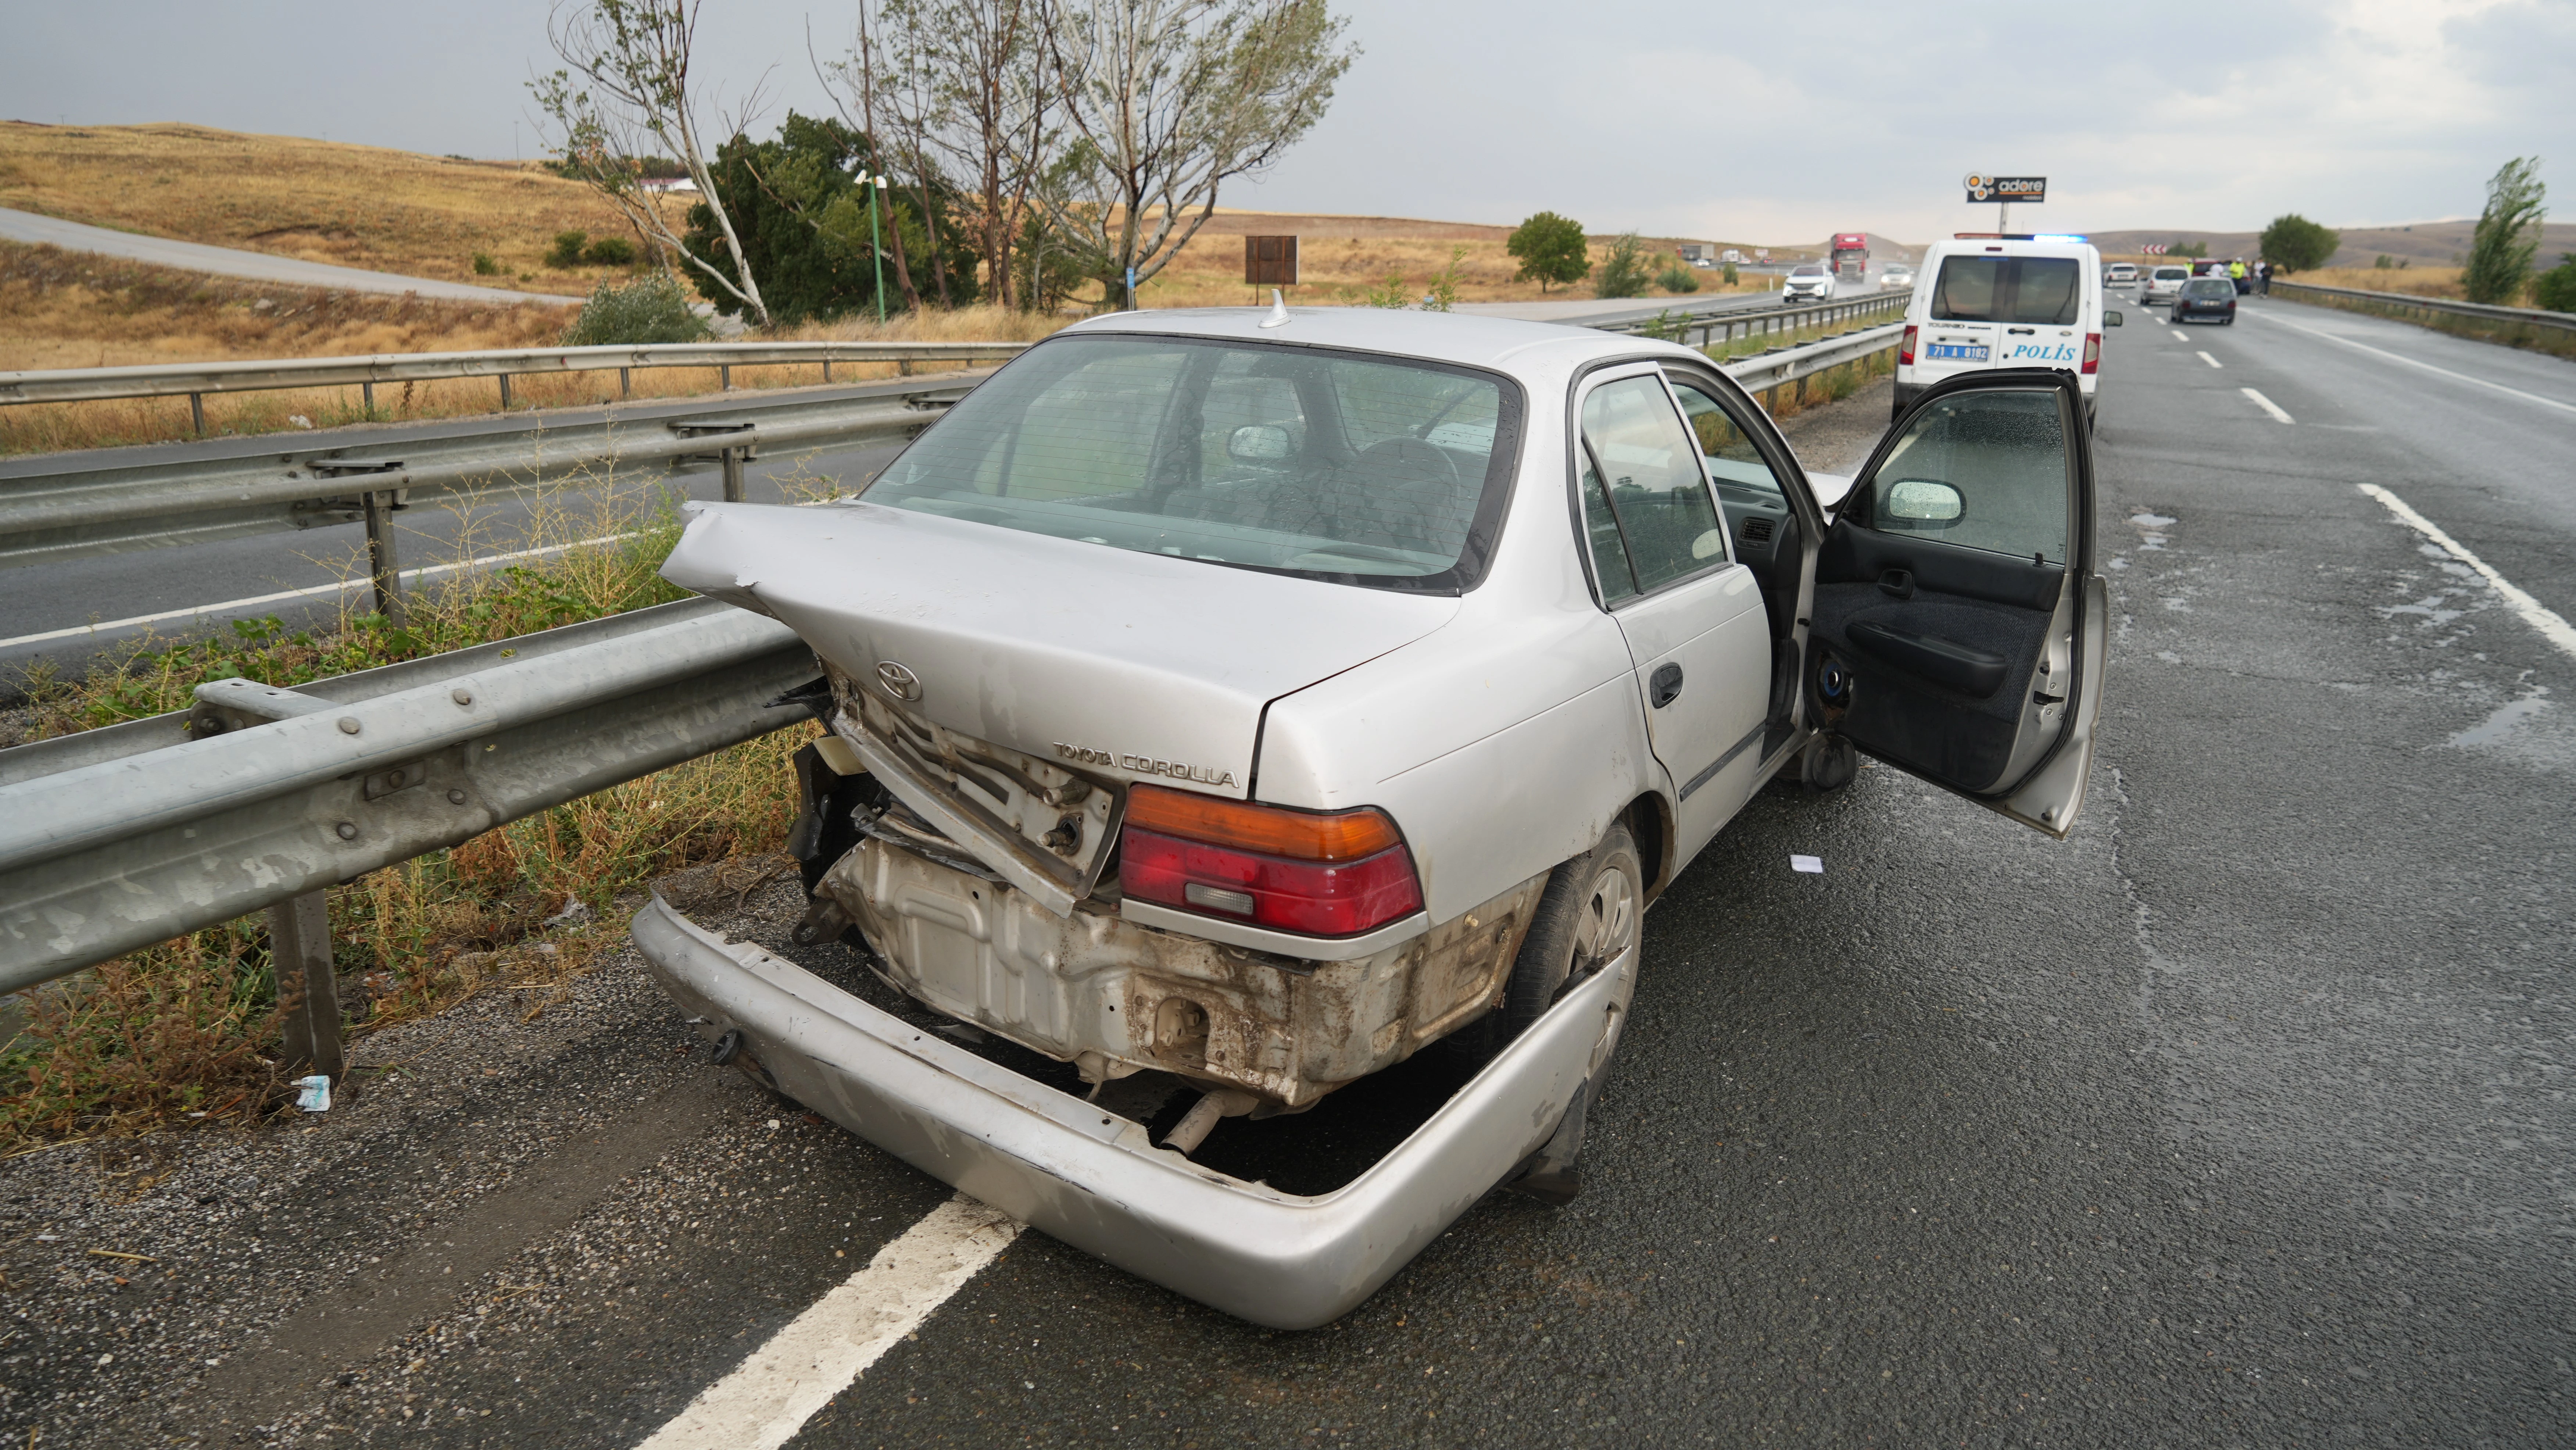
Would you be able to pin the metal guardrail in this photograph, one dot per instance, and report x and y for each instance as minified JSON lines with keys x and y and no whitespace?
{"x":71,"y":385}
{"x":1771,"y":370}
{"x":2428,"y":307}
{"x":114,"y":839}
{"x":1709,"y":329}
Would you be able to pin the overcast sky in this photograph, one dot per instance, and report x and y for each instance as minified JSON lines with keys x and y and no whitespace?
{"x":1762,"y":123}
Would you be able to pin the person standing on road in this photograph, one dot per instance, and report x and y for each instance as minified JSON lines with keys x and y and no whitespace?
{"x":2262,"y":277}
{"x":2236,"y":274}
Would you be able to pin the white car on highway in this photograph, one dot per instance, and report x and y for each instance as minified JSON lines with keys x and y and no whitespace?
{"x":2164,"y":284}
{"x":1896,"y":277}
{"x":2004,"y":302}
{"x":1220,"y":708}
{"x":1807,"y":282}
{"x":2120,"y":274}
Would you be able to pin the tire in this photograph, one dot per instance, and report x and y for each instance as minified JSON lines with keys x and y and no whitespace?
{"x":1592,"y":908}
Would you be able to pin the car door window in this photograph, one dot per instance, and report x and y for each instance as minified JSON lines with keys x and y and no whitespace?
{"x":1724,"y":447}
{"x":1986,"y":470}
{"x":1646,"y":468}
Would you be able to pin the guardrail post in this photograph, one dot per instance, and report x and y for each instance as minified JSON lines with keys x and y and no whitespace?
{"x":308,"y":993}
{"x":381,"y":562}
{"x":625,"y":387}
{"x":727,"y":375}
{"x":733,"y":475}
{"x":197,"y":411}
{"x":367,"y":392}
{"x":827,"y":370}
{"x":505,"y":392}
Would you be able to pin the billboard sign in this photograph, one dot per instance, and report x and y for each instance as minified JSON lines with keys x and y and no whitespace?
{"x":1996,"y":189}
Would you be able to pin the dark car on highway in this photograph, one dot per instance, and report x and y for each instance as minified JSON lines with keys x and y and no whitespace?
{"x":2206,"y":297}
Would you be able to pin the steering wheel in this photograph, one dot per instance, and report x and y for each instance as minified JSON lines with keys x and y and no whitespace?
{"x":1408,"y":462}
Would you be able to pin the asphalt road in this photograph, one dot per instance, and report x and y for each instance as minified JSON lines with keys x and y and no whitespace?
{"x":2239,"y":1118}
{"x":27,"y":226}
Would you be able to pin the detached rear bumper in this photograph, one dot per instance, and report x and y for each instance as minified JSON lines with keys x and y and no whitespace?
{"x":1093,"y":1179}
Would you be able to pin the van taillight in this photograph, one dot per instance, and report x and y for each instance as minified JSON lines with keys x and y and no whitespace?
{"x":1905,"y":349}
{"x":2092,"y":352}
{"x":1314,"y":873}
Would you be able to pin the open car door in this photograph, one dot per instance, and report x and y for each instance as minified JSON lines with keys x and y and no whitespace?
{"x":1958,"y":629}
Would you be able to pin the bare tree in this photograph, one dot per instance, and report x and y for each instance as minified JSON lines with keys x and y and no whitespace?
{"x":627,"y":94}
{"x":992,"y":95}
{"x":1173,"y":97}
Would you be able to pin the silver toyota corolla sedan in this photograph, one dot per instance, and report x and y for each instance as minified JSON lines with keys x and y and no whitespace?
{"x":1250,"y":701}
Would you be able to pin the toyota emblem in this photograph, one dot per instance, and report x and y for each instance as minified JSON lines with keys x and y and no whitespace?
{"x":899,"y":682}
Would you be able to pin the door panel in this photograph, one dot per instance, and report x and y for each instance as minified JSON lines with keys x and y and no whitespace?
{"x":1956,"y":624}
{"x":1693,"y":617}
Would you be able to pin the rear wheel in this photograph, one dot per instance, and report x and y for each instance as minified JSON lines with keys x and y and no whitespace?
{"x":1591,"y":910}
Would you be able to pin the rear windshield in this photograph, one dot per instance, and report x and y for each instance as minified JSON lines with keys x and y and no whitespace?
{"x":2209,"y":287}
{"x":2030,"y":290}
{"x":2170,"y":274}
{"x":1343,"y":466}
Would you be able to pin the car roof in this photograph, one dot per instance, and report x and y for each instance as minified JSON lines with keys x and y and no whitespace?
{"x":1502,"y":343}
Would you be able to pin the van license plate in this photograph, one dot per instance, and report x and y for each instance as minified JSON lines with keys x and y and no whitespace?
{"x":1956,"y":352}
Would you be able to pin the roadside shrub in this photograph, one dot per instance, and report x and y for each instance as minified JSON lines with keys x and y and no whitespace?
{"x":650,"y":309}
{"x":1729,"y":275}
{"x":610,"y":252}
{"x":484,"y":266}
{"x":566,"y":252}
{"x":1623,"y":271}
{"x":1677,"y":278}
{"x":2555,"y":289}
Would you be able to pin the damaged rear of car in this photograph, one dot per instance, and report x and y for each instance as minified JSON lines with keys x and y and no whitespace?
{"x":1053,"y":634}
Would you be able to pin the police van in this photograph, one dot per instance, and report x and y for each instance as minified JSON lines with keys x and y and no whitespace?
{"x":2004,"y":302}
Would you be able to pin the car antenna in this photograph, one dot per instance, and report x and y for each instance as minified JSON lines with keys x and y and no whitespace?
{"x":1278,"y":310}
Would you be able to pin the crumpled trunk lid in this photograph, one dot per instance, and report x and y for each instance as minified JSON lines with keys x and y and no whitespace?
{"x":1123,"y":665}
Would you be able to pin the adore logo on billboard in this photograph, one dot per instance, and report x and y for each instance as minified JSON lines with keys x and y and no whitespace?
{"x":1986,"y":188}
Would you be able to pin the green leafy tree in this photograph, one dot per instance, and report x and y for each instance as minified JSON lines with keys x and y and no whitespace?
{"x":2508,"y":233}
{"x":1551,"y":251}
{"x":610,"y":252}
{"x":1440,"y":294}
{"x":2293,"y":243}
{"x":2555,"y":289}
{"x":1677,"y":277}
{"x":1730,"y":277}
{"x":802,"y":223}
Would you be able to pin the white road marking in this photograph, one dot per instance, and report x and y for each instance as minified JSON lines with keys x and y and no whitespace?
{"x":2268,"y":406}
{"x":2213,"y":362}
{"x":770,"y":1396}
{"x":309,"y":591}
{"x":2181,"y":336}
{"x":2414,"y":363}
{"x":2534,"y":613}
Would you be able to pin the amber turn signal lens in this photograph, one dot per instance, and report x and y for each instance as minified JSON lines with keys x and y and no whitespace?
{"x":1299,"y":835}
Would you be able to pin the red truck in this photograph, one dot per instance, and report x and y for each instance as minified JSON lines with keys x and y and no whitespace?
{"x":1851,"y":257}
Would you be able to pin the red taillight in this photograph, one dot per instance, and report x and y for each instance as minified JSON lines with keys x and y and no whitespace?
{"x":1318,"y":874}
{"x":1905,"y":349}
{"x":2092,"y":352}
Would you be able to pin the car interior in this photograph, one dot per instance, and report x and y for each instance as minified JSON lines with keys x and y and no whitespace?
{"x":1937,"y":586}
{"x":1337,"y":465}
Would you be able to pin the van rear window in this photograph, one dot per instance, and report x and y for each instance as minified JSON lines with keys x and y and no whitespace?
{"x":2042,"y":291}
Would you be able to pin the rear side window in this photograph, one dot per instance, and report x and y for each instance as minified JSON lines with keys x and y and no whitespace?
{"x":1644,"y":470}
{"x":2032,"y":291}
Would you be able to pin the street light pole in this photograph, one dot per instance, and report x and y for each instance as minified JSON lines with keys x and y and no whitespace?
{"x":876,"y":245}
{"x":875,"y":187}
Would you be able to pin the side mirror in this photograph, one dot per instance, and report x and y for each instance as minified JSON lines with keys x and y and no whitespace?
{"x":2110,"y":319}
{"x":1258,"y":443}
{"x":1922,"y":501}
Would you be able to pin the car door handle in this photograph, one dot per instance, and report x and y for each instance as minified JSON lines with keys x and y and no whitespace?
{"x":2021,"y":331}
{"x":1665,"y":685}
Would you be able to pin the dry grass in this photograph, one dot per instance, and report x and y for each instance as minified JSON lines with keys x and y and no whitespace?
{"x":189,"y":1026}
{"x":63,"y":309}
{"x":1340,"y":257}
{"x":321,"y":201}
{"x":2413,"y":281}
